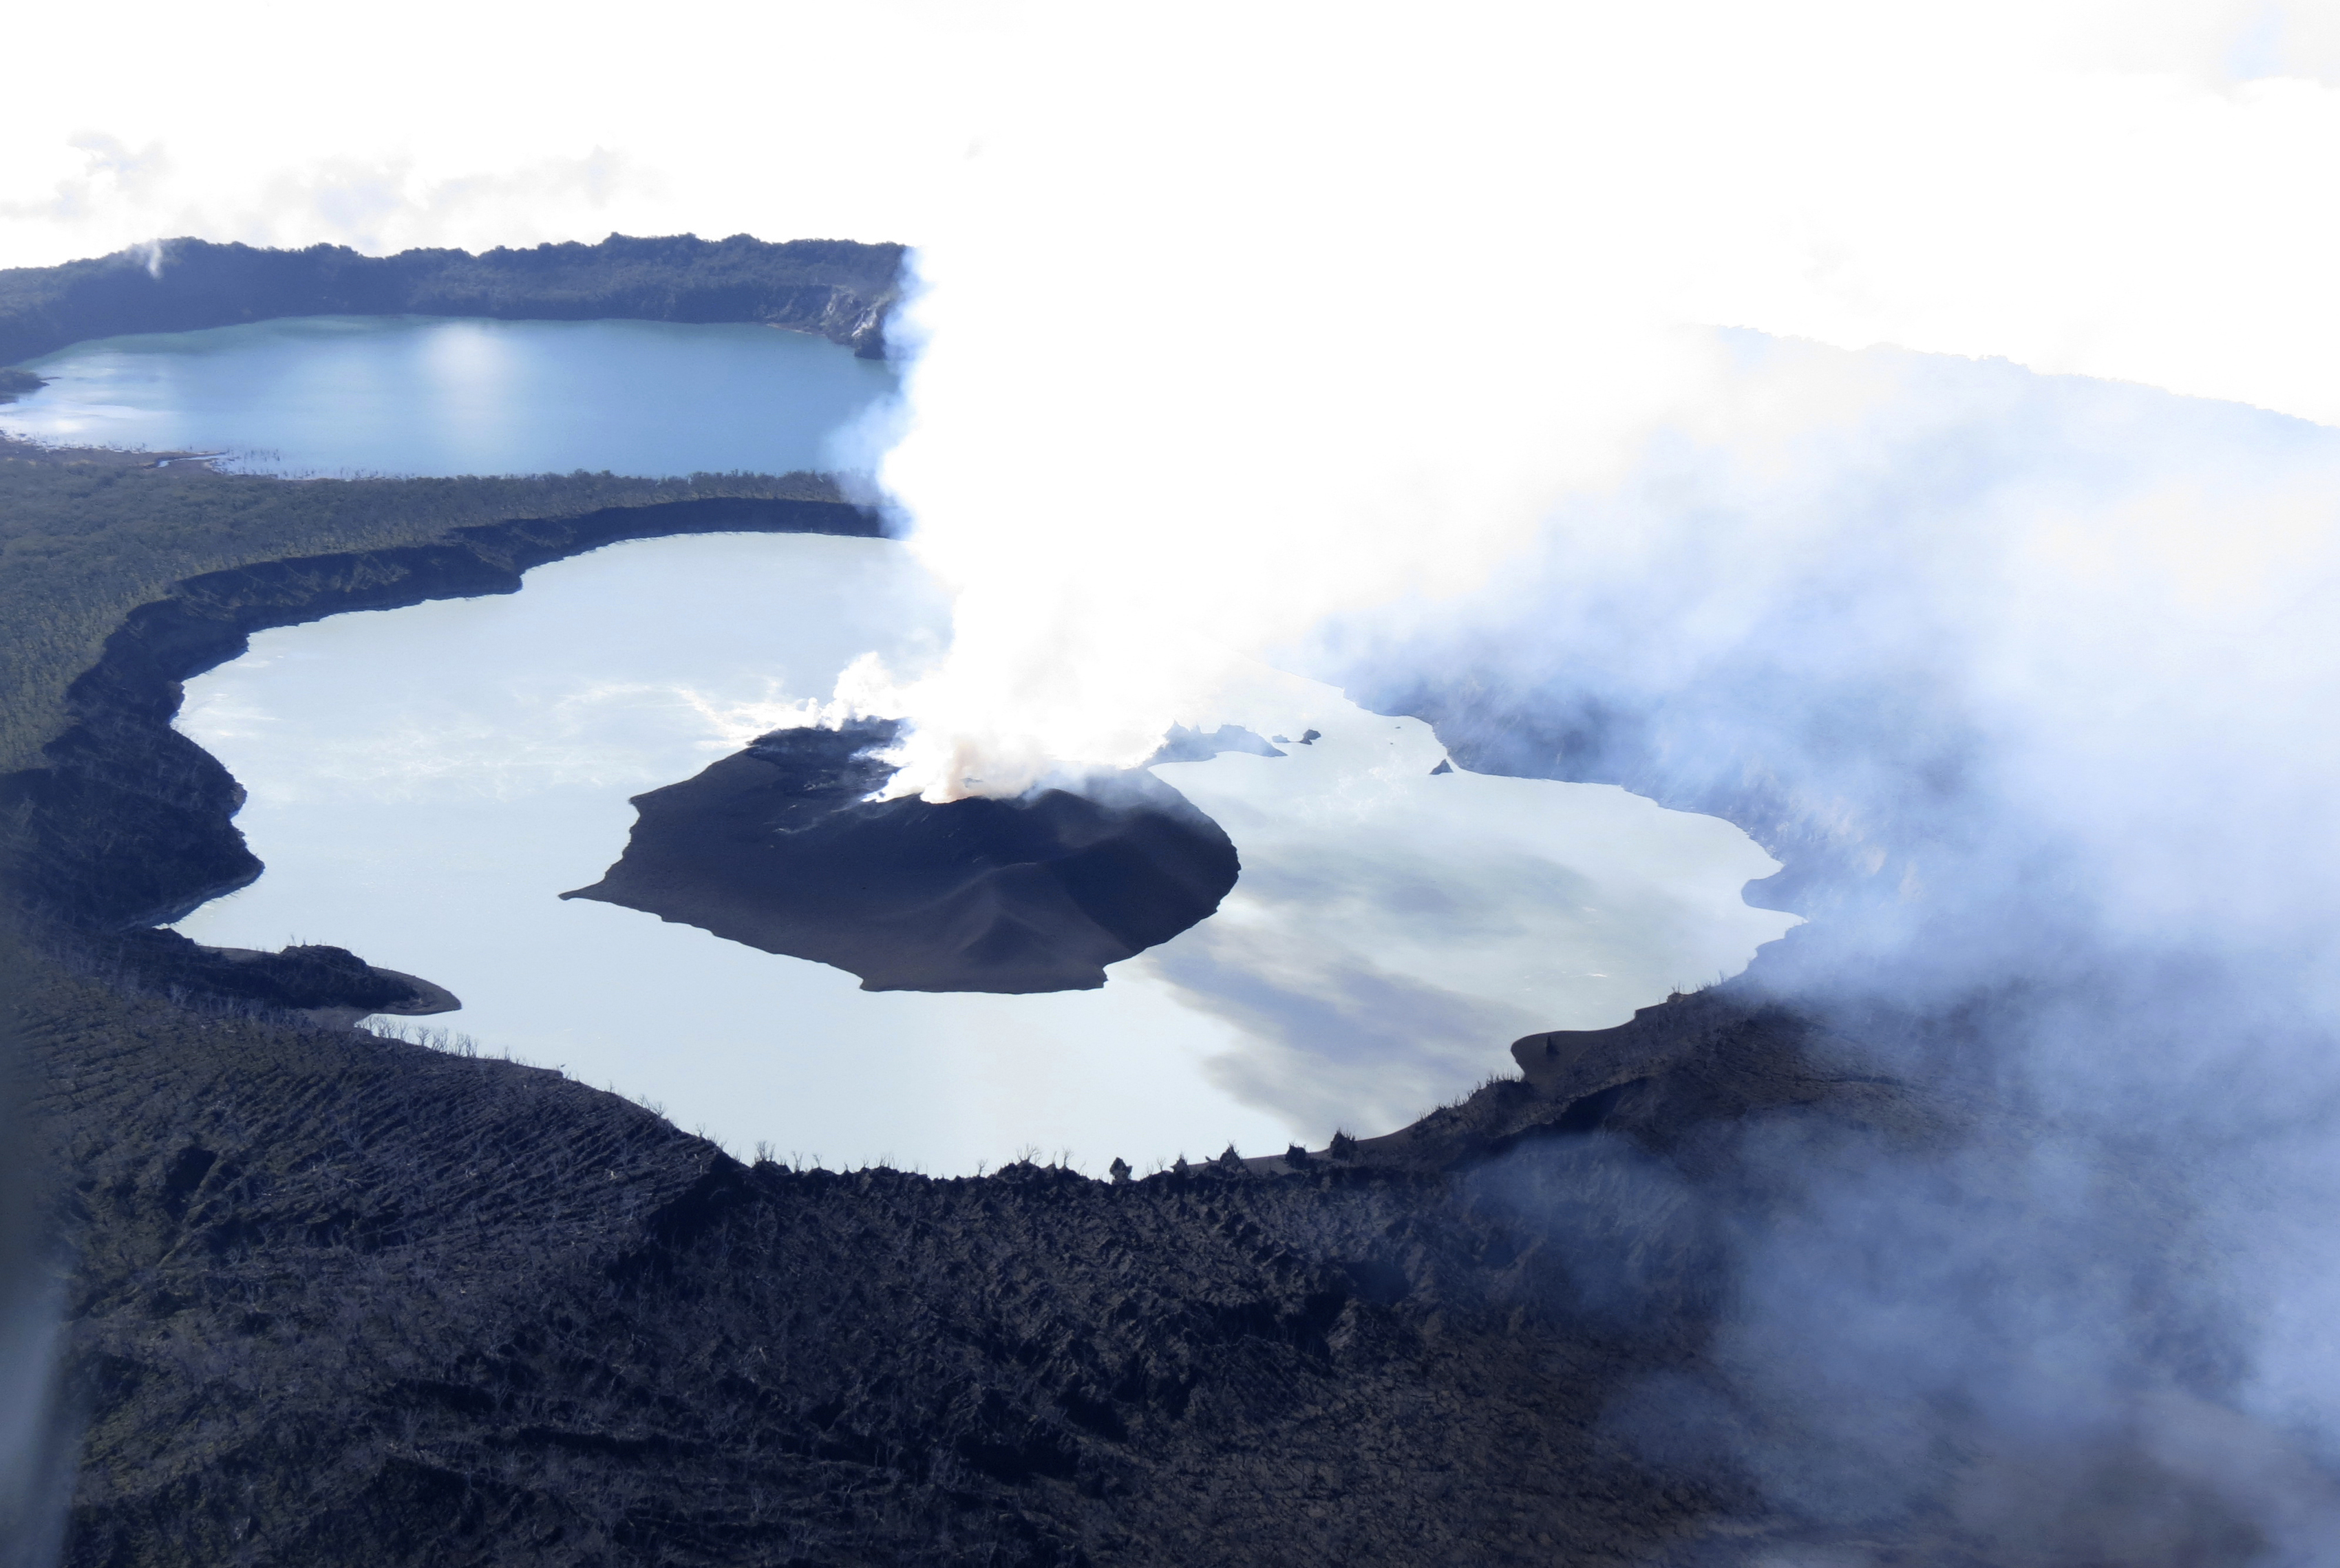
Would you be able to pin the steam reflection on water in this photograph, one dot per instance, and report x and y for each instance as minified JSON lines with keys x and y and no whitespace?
{"x":423,"y":782}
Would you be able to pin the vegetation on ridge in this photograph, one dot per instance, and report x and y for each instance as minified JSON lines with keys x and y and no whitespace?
{"x":87,"y":535}
{"x":836,"y":288}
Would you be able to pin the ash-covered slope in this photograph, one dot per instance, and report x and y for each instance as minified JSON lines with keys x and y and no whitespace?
{"x":779,"y":848}
{"x":346,"y":1300}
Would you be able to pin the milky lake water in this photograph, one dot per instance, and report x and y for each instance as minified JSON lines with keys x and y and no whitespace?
{"x":424,"y":782}
{"x":428,"y":394}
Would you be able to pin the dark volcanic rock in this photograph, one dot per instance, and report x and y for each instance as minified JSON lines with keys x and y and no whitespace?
{"x":310,"y":978}
{"x":779,"y":848}
{"x":341,"y":1300}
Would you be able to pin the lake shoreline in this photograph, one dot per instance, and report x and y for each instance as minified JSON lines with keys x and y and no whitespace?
{"x":525,"y":1242}
{"x":130,"y":825}
{"x":175,"y":849}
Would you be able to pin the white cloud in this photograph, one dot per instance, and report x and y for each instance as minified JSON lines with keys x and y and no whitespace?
{"x":478,"y":125}
{"x":1350,"y":296}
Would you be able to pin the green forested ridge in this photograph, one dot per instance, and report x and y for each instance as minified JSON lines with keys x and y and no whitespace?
{"x":839,"y":289}
{"x":87,"y":535}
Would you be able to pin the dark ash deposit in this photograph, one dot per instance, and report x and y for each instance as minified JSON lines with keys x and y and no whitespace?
{"x":780,"y":848}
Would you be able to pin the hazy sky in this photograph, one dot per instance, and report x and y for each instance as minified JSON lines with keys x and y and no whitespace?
{"x":2133,"y":189}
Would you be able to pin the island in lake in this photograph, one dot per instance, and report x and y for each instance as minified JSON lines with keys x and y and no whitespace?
{"x":330,"y":1297}
{"x":781,"y":847}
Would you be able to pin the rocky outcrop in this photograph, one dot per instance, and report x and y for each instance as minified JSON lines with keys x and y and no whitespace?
{"x":323,"y":983}
{"x":1671,"y":1075}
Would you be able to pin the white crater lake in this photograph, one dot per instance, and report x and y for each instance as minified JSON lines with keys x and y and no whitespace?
{"x":421,"y":395}
{"x":424,"y":782}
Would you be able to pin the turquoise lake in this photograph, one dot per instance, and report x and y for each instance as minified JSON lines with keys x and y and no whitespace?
{"x":421,"y":395}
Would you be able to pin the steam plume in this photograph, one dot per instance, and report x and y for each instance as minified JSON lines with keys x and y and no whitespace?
{"x":1457,"y":358}
{"x":1336,"y":305}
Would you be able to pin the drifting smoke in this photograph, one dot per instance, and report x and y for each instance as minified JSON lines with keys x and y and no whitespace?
{"x":2026,"y":674}
{"x":1455,"y":359}
{"x":1243,"y":318}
